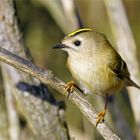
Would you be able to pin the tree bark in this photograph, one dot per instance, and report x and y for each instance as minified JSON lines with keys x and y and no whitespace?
{"x":41,"y":115}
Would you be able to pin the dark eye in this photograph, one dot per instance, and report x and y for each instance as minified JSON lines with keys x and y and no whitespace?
{"x":77,"y":43}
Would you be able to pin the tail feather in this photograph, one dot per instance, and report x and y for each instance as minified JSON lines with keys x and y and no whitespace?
{"x":129,"y":82}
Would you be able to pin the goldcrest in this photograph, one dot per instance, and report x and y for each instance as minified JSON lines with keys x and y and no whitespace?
{"x":95,"y":64}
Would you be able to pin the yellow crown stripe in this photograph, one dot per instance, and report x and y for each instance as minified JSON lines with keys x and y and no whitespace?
{"x":78,"y":31}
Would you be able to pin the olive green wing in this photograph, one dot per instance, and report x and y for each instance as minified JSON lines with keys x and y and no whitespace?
{"x":119,"y":67}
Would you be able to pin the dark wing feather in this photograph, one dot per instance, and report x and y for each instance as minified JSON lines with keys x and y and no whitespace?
{"x":121,"y":70}
{"x":119,"y":67}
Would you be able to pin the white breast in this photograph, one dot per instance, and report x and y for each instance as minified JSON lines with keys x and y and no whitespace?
{"x":93,"y":76}
{"x":83,"y":72}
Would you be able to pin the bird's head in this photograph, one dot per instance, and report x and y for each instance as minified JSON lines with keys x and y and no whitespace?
{"x":81,"y":42}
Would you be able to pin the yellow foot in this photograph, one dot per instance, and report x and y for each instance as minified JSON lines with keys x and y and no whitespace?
{"x":100,"y":117}
{"x":69,"y":87}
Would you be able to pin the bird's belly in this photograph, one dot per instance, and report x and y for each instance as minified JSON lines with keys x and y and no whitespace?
{"x":98,"y":81}
{"x":105,"y":83}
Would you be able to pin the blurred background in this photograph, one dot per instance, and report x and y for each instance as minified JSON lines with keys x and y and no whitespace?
{"x":44,"y":23}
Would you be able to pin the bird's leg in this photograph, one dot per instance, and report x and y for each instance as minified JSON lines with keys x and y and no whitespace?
{"x":70,"y":86}
{"x":101,"y":115}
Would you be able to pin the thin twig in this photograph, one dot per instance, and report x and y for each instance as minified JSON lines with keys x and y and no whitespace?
{"x":48,"y":78}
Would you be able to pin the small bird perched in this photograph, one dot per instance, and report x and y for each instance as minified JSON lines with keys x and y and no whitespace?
{"x":95,"y":64}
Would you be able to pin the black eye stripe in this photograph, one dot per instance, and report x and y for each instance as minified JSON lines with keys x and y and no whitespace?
{"x":77,"y":43}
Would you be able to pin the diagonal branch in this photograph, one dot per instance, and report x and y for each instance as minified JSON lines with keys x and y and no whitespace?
{"x":47,"y":77}
{"x":34,"y":104}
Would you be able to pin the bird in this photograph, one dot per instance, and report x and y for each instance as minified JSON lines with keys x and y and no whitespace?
{"x":95,"y":65}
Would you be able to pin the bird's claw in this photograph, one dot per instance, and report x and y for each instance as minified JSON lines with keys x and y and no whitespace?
{"x":69,"y":87}
{"x":100,"y":117}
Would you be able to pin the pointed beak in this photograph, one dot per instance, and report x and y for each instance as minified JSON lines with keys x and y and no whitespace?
{"x":59,"y":46}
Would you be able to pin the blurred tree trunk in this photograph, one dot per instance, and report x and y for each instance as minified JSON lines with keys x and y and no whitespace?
{"x":128,"y":50}
{"x":3,"y":115}
{"x":41,"y":114}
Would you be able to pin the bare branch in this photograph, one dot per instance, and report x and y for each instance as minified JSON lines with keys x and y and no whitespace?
{"x":41,"y":115}
{"x":48,"y":78}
